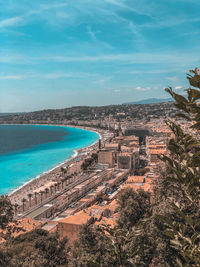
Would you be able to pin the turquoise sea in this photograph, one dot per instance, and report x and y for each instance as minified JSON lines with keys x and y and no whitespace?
{"x":27,"y":151}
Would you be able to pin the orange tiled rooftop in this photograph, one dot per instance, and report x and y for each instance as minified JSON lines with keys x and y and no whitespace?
{"x":78,"y":218}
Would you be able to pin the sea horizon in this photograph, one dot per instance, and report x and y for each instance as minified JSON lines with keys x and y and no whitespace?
{"x":20,"y":166}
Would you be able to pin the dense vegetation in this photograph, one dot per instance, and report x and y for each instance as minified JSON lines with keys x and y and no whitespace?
{"x":161,"y":229}
{"x":36,"y":248}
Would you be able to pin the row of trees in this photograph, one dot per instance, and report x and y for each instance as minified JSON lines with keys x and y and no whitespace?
{"x":47,"y":192}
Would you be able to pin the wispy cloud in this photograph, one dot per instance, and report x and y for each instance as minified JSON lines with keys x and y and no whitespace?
{"x":100,"y":58}
{"x":172,"y":79}
{"x":10,"y":22}
{"x":139,"y":88}
{"x":178,"y":87}
{"x":122,"y":5}
{"x":151,"y":71}
{"x":13,"y":21}
{"x":68,"y":75}
{"x":96,"y":41}
{"x":18,"y":59}
{"x":177,"y":62}
{"x":50,"y":6}
{"x":101,"y":80}
{"x":170,"y":21}
{"x":98,"y":10}
{"x":12,"y":77}
{"x":137,"y":58}
{"x":53,"y":75}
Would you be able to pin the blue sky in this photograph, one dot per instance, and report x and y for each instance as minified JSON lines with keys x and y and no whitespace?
{"x":56,"y":54}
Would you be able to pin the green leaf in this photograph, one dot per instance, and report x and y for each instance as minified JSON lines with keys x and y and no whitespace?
{"x":196,"y":126}
{"x":181,"y":107}
{"x":189,"y":220}
{"x":195,"y":237}
{"x":193,"y":93}
{"x":180,"y":99}
{"x":169,"y":234}
{"x":176,"y":243}
{"x":166,"y":220}
{"x":181,"y":115}
{"x":194,"y":81}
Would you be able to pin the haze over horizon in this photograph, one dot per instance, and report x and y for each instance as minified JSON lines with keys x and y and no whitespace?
{"x":84,"y":52}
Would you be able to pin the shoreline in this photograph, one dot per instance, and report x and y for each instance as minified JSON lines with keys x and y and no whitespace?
{"x":53,"y":174}
{"x":40,"y":175}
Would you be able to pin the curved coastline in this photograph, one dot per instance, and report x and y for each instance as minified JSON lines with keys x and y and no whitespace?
{"x":76,"y":153}
{"x":19,"y":190}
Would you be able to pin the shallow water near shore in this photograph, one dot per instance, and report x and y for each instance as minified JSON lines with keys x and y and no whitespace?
{"x":33,"y":150}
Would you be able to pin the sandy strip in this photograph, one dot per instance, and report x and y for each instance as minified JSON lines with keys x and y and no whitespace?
{"x":54,"y":175}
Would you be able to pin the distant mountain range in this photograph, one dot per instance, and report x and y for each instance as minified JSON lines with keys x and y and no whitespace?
{"x":150,"y":101}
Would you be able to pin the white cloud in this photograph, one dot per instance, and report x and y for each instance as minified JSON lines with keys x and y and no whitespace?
{"x":167,"y":60}
{"x":132,"y":58}
{"x":23,"y":18}
{"x":178,"y":87}
{"x":10,"y":21}
{"x":122,"y":5}
{"x":170,"y":22}
{"x":70,"y":12}
{"x":56,"y":75}
{"x":139,"y":88}
{"x":12,"y":77}
{"x":46,"y":7}
{"x":156,"y":71}
{"x":83,"y":75}
{"x":94,"y":38}
{"x":172,"y":79}
{"x":116,"y":91}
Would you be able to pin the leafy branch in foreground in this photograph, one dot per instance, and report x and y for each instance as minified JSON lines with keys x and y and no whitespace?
{"x":183,"y":165}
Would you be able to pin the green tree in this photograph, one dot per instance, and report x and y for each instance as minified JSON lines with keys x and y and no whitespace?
{"x":92,"y":248}
{"x":29,"y":197}
{"x":133,"y":206}
{"x":4,"y":258}
{"x":6,"y":211}
{"x":182,"y":219}
{"x":37,"y":248}
{"x":23,"y":204}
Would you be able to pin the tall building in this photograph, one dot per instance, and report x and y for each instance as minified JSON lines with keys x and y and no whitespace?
{"x":106,"y":157}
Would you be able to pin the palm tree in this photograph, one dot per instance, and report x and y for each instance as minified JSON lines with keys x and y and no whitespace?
{"x":55,"y":187}
{"x":62,"y":182}
{"x":58,"y":186}
{"x":16,"y":206}
{"x":41,"y":194}
{"x":63,"y":170}
{"x":67,"y":180}
{"x":35,"y":193}
{"x":29,"y":196}
{"x":69,"y":177}
{"x":23,"y":203}
{"x":51,"y":189}
{"x":46,"y":191}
